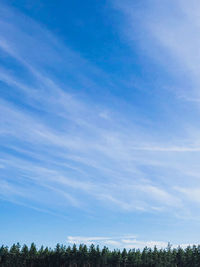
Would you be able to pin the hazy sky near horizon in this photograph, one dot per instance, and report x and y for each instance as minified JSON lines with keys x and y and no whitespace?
{"x":99,"y":122}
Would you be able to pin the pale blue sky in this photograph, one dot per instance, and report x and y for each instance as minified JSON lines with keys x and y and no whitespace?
{"x":99,"y":125}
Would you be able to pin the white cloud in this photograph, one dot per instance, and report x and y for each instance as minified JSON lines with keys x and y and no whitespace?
{"x":116,"y":242}
{"x":121,"y":242}
{"x":168,"y":33}
{"x":77,"y":148}
{"x":192,"y":194}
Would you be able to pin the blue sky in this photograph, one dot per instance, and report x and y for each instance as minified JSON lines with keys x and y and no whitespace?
{"x":99,"y":125}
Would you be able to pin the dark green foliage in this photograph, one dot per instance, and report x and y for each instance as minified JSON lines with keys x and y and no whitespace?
{"x":83,"y":256}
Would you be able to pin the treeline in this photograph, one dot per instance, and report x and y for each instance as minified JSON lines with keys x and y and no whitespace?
{"x":92,"y":256}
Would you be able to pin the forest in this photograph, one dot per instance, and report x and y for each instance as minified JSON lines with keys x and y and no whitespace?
{"x":93,"y":256}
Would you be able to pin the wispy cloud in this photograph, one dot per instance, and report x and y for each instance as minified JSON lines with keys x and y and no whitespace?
{"x":119,"y":242}
{"x":166,"y":35}
{"x":61,"y":146}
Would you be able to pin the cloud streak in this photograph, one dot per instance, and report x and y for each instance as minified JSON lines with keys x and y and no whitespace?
{"x":119,"y":242}
{"x":61,"y":146}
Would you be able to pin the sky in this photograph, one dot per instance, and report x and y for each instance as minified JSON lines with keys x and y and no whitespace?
{"x":99,"y":122}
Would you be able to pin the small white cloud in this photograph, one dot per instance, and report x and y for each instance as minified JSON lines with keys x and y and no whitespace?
{"x":116,"y":242}
{"x":112,"y":243}
{"x":105,"y":115}
{"x":192,"y":194}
